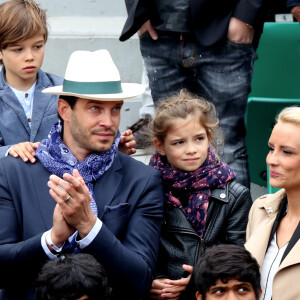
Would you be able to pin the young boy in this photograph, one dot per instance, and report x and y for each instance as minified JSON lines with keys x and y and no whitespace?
{"x":72,"y":277}
{"x":26,"y":114}
{"x":227,"y":272}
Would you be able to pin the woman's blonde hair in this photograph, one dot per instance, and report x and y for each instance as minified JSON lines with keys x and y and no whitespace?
{"x":290,"y":115}
{"x":21,"y":20}
{"x":182,"y":106}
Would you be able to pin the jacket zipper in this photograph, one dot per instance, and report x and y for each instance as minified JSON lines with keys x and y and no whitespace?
{"x":202,"y":242}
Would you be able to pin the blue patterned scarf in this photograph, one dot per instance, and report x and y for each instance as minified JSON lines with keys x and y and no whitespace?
{"x":58,"y":159}
{"x":195,"y":186}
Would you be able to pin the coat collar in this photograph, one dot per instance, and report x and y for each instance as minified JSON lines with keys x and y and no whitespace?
{"x":268,"y":206}
{"x":265,"y":210}
{"x":271,"y":202}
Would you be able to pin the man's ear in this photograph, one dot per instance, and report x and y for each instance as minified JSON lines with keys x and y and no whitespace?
{"x":198,"y":296}
{"x":159,"y":146}
{"x":64,"y":109}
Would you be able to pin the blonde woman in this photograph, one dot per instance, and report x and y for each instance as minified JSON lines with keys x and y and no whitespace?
{"x":273,"y":230}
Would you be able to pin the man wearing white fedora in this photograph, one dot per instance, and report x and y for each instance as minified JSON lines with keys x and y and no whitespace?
{"x":81,"y":195}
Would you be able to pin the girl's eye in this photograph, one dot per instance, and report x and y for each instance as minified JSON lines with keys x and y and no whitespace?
{"x":286,"y":152}
{"x":17,"y":49}
{"x":271,"y":149}
{"x":200,"y":138}
{"x":178,"y":143}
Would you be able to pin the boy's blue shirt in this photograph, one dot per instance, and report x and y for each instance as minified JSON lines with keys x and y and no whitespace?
{"x":14,"y":126}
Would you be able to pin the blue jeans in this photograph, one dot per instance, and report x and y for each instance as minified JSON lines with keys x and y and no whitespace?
{"x":221,"y":74}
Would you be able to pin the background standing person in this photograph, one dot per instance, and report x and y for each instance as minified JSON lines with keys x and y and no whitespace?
{"x":82,"y":195}
{"x":273,"y":230}
{"x":72,"y":277}
{"x":206,"y":47}
{"x":294,"y":5}
{"x":204,"y":205}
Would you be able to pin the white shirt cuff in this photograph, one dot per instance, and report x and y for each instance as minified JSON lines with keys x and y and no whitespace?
{"x":45,"y":247}
{"x":91,"y":235}
{"x":6,"y":153}
{"x":81,"y":243}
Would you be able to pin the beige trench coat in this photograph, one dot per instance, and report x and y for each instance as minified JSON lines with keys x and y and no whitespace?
{"x":286,"y":284}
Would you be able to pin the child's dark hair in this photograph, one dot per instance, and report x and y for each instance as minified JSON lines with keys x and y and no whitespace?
{"x":226,"y":262}
{"x":183,"y":105}
{"x":72,"y":277}
{"x":21,"y":20}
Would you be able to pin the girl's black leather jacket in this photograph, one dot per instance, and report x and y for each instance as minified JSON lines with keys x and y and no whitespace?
{"x":227,"y":218}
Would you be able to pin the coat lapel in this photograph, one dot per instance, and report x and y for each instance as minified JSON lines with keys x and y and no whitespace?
{"x":44,"y":201}
{"x":106,"y":187}
{"x":292,"y":258}
{"x":40,"y":103}
{"x":11,"y":100}
{"x":258,"y":241}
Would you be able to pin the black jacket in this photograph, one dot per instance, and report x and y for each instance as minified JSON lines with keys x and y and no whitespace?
{"x":227,"y":218}
{"x":209,"y":18}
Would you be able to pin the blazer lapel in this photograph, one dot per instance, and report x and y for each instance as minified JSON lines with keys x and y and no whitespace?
{"x":40,"y":103}
{"x":106,"y":187}
{"x":11,"y":100}
{"x":44,"y":201}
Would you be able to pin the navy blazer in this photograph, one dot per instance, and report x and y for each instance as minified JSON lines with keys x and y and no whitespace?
{"x":14,"y":126}
{"x":209,"y":18}
{"x":129,"y":198}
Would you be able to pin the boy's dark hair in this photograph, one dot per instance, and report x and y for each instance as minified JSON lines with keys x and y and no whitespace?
{"x":226,"y":262}
{"x":19,"y":21}
{"x":71,"y":277}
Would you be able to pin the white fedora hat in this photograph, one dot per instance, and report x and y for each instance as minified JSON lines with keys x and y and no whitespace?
{"x":93,"y":75}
